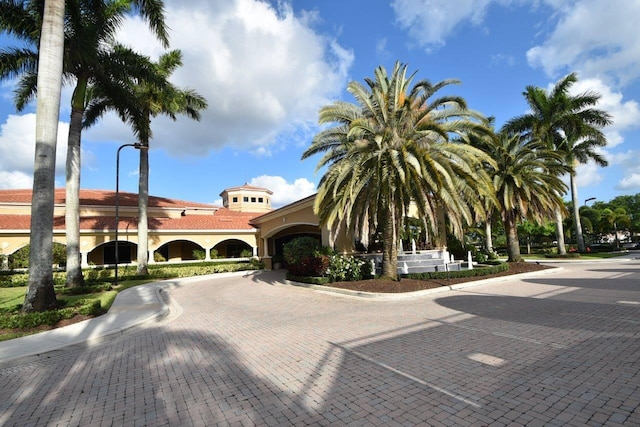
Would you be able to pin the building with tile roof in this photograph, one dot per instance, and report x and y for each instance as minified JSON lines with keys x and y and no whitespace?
{"x":179,"y":230}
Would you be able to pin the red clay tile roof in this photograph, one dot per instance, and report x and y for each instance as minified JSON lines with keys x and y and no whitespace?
{"x":102,"y":198}
{"x":222,"y":219}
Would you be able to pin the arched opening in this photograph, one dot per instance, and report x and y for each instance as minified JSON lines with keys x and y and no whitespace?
{"x":232,"y":248}
{"x":181,"y":250}
{"x":20,"y":257}
{"x":286,"y":235}
{"x":106,"y":253}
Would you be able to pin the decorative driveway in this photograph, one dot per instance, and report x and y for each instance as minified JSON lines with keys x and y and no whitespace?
{"x":552,"y":349}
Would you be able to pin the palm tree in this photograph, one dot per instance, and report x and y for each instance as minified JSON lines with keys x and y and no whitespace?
{"x":579,"y":147}
{"x":40,"y":293}
{"x":527,"y":183}
{"x":570,"y":125}
{"x":612,"y":219}
{"x":392,"y":148}
{"x":89,"y":58}
{"x":145,"y":99}
{"x":486,"y":142}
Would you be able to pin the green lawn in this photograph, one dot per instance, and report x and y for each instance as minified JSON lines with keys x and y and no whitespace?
{"x":10,"y":297}
{"x":587,"y":256}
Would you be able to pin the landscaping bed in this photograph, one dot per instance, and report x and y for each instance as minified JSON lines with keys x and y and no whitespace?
{"x":410,"y":285}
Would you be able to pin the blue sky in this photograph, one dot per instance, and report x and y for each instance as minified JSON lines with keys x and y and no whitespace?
{"x":267,"y":67}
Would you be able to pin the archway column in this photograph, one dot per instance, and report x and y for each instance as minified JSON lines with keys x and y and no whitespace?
{"x":84,"y":261}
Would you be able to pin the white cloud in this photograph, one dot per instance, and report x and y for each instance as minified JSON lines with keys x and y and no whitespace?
{"x":430,"y":22}
{"x":15,"y":179}
{"x":630,"y":182}
{"x":17,"y":150}
{"x":627,"y":161}
{"x":597,"y":37}
{"x":625,"y":114}
{"x":588,"y":175}
{"x":264,"y":72}
{"x":284,"y":192}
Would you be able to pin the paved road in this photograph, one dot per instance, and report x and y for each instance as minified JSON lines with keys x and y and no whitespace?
{"x":559,"y":349}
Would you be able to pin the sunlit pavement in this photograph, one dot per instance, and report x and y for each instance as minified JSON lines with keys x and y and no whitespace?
{"x":560,"y":349}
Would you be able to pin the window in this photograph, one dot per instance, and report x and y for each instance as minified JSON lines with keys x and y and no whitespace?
{"x":245,"y":199}
{"x":235,"y":200}
{"x":260,"y":200}
{"x":253,"y":200}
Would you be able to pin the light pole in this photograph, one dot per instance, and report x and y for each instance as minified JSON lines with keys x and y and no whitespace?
{"x":137,"y":146}
{"x":588,"y":200}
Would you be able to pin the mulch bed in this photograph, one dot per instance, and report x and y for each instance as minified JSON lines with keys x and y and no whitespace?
{"x":410,"y":285}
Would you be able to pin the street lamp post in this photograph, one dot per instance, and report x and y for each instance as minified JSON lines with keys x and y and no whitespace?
{"x":137,"y":146}
{"x":588,"y":200}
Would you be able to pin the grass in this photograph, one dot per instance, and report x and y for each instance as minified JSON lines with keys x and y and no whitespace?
{"x":590,"y":255}
{"x":11,"y":297}
{"x":11,"y":300}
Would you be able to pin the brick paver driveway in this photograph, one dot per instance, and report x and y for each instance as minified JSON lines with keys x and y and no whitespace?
{"x":560,"y":349}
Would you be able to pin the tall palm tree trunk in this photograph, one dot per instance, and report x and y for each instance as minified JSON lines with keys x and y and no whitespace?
{"x":560,"y":232}
{"x":488,"y":237}
{"x":390,"y":249}
{"x":72,"y":200}
{"x":513,"y":244}
{"x":40,"y":293}
{"x":143,"y":203}
{"x":576,"y":213}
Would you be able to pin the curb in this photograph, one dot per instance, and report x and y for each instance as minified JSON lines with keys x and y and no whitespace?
{"x":417,"y":294}
{"x":133,"y":307}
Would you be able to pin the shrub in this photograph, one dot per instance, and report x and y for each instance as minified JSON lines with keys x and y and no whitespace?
{"x":213,"y":253}
{"x":308,"y":279}
{"x":316,"y":265}
{"x":33,"y":320}
{"x":476,"y":272}
{"x":199,"y":254}
{"x":299,"y":248}
{"x":481,"y":257}
{"x":13,"y":280}
{"x":157,"y":257}
{"x":345,"y":269}
{"x":246,"y":253}
{"x":567,"y":255}
{"x":91,"y":309}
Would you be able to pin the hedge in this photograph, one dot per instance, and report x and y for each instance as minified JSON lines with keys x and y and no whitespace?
{"x":476,"y":272}
{"x":308,"y":279}
{"x":567,"y":255}
{"x":10,"y":279}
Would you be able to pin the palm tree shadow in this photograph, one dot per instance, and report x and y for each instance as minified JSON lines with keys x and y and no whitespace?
{"x":545,"y":312}
{"x":168,"y":378}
